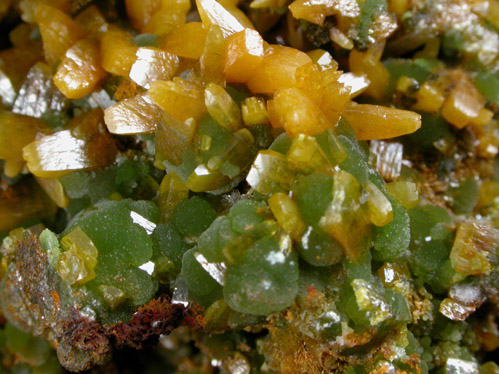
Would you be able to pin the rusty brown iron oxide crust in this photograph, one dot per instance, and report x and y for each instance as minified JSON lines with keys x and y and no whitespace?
{"x":31,"y":294}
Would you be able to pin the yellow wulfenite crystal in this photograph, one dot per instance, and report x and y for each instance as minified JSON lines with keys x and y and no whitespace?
{"x":287,"y":215}
{"x":371,"y":122}
{"x":254,"y":111}
{"x":172,"y":190}
{"x":474,"y":249}
{"x":136,"y":115}
{"x":80,"y":70}
{"x":118,"y":53}
{"x":153,"y":64}
{"x":296,"y":113}
{"x":15,"y":132}
{"x":380,"y":209}
{"x":244,"y":52}
{"x":277,"y":70}
{"x":179,"y":98}
{"x":222,"y":107}
{"x":78,"y":259}
{"x":174,"y":41}
{"x":345,"y":218}
{"x":59,"y":32}
{"x":463,"y":104}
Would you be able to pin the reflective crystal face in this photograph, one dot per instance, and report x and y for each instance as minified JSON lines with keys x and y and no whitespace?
{"x":261,"y":186}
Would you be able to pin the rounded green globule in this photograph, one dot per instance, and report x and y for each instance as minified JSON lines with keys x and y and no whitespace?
{"x":264,"y":279}
{"x":246,"y":215}
{"x":198,"y":280}
{"x":110,"y":226}
{"x":192,"y":216}
{"x":168,"y":242}
{"x":313,"y":194}
{"x":318,"y":248}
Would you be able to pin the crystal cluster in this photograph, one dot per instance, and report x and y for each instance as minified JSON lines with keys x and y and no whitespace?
{"x":263,"y":186}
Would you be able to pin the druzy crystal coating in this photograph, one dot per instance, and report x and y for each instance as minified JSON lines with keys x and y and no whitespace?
{"x":254,"y":186}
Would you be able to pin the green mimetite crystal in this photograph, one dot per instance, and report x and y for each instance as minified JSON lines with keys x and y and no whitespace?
{"x":318,"y":248}
{"x":263,"y":280}
{"x":392,"y":240}
{"x":219,"y":138}
{"x":191,"y":217}
{"x":246,"y":215}
{"x":111,"y":227}
{"x":313,"y":193}
{"x":199,"y":281}
{"x":169,"y":243}
{"x":117,"y":230}
{"x":431,"y":245}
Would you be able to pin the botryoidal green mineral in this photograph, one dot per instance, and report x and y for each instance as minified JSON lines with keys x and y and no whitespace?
{"x":300,"y":282}
{"x":223,"y":244}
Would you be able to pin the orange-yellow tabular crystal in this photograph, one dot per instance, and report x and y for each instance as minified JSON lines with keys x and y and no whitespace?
{"x":463,"y":104}
{"x":355,"y":82}
{"x":254,"y":111}
{"x":179,"y":98}
{"x":311,"y":80}
{"x":277,"y":70}
{"x":157,"y":16}
{"x":141,"y":11}
{"x":231,"y":6}
{"x":29,"y":7}
{"x":243,"y":54}
{"x":172,"y":190}
{"x":15,"y":132}
{"x":484,"y":117}
{"x":429,"y":98}
{"x":323,"y":88}
{"x":323,"y":59}
{"x":86,"y":145}
{"x":296,"y":113}
{"x":55,"y":190}
{"x":313,"y":11}
{"x":492,"y":14}
{"x":165,"y":20}
{"x":5,"y":7}
{"x":212,"y":60}
{"x":174,"y":41}
{"x":346,"y":219}
{"x":61,"y":153}
{"x":173,"y":137}
{"x":153,"y":64}
{"x":59,"y":32}
{"x":117,"y":51}
{"x":368,"y":63}
{"x":287,"y":215}
{"x":16,"y":62}
{"x":135,"y":115}
{"x":91,"y":21}
{"x":20,"y":35}
{"x":213,"y":13}
{"x":372,"y":122}
{"x":334,"y":100}
{"x":80,"y":70}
